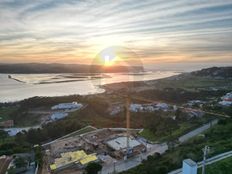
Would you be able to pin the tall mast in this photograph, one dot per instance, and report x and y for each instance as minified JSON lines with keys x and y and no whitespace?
{"x":128,"y":122}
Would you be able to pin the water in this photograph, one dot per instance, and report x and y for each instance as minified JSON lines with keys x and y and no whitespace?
{"x":61,"y":85}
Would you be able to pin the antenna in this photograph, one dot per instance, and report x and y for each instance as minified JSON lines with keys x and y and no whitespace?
{"x":128,"y":123}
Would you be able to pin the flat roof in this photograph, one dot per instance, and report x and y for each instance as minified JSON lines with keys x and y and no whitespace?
{"x":71,"y":157}
{"x":88,"y":158}
{"x":121,"y":143}
{"x":190,"y":162}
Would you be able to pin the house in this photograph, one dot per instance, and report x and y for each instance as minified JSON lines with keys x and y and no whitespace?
{"x":162,"y":106}
{"x":227,"y":97}
{"x":225,"y":103}
{"x":226,"y":100}
{"x":67,"y":106}
{"x":7,"y":123}
{"x":195,"y":114}
{"x":58,"y":116}
{"x":149,"y":107}
{"x":195,"y":103}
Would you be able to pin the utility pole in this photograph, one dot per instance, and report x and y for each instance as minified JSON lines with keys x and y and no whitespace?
{"x":127,"y":123}
{"x":205,"y":152}
{"x":114,"y":167}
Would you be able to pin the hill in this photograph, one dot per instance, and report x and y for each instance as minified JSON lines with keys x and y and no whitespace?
{"x":219,"y":72}
{"x":64,"y":68}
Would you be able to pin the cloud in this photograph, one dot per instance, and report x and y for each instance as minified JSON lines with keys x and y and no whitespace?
{"x":65,"y":30}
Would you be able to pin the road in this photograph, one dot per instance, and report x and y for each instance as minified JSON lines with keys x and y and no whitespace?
{"x":208,"y":161}
{"x":4,"y":163}
{"x":123,"y":165}
{"x":197,"y":131}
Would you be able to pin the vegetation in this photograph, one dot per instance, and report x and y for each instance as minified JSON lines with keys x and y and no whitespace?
{"x":3,"y":136}
{"x":93,"y":168}
{"x":81,"y":131}
{"x":20,"y":162}
{"x":18,"y":114}
{"x":24,"y":141}
{"x":219,"y":138}
{"x":220,"y":167}
{"x":180,"y":96}
{"x":48,"y":132}
{"x":6,"y":112}
{"x":38,"y":155}
{"x":13,"y":147}
{"x":193,"y":82}
{"x":30,"y":68}
{"x":20,"y":165}
{"x":218,"y":72}
{"x":160,"y":127}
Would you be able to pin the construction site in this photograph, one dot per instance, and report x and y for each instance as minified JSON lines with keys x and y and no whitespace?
{"x":105,"y":145}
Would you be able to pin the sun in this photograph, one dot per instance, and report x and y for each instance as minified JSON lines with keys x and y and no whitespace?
{"x":109,"y":61}
{"x":108,"y":57}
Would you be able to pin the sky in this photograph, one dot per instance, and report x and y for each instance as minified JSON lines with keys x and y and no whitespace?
{"x":156,"y":31}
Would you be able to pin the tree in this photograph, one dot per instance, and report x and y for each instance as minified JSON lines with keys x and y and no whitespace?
{"x":11,"y":170}
{"x":3,"y":135}
{"x":93,"y":168}
{"x":20,"y":162}
{"x":38,"y":155}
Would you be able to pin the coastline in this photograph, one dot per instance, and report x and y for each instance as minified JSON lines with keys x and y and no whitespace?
{"x":78,"y":87}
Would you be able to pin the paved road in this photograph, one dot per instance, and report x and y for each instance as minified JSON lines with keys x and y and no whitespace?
{"x":208,"y":161}
{"x":161,"y":148}
{"x":4,"y":163}
{"x":123,"y":165}
{"x":197,"y":131}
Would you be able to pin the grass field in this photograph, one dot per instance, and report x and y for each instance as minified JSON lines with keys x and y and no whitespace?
{"x":220,"y":167}
{"x":219,"y":139}
{"x":192,"y":83}
{"x":175,"y":134}
{"x":81,"y":131}
{"x":146,"y":133}
{"x":184,"y":128}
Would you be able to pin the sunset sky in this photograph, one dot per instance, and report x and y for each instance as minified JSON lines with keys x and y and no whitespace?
{"x":75,"y":31}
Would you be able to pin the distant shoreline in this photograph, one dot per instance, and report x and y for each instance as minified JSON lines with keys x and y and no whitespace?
{"x":116,"y":83}
{"x":42,"y":68}
{"x":101,"y":88}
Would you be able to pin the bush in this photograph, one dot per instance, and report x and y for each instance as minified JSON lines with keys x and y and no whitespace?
{"x":93,"y":168}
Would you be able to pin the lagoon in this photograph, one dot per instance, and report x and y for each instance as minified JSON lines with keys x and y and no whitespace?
{"x":16,"y":87}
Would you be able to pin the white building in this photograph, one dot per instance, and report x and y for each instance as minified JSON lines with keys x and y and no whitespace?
{"x":115,"y":110}
{"x":225,"y":103}
{"x":120,"y":143}
{"x":189,"y":167}
{"x":195,"y":102}
{"x":227,"y":97}
{"x":162,"y":106}
{"x":58,"y":116}
{"x":136,"y":107}
{"x":67,"y":106}
{"x":226,"y":100}
{"x":148,"y":107}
